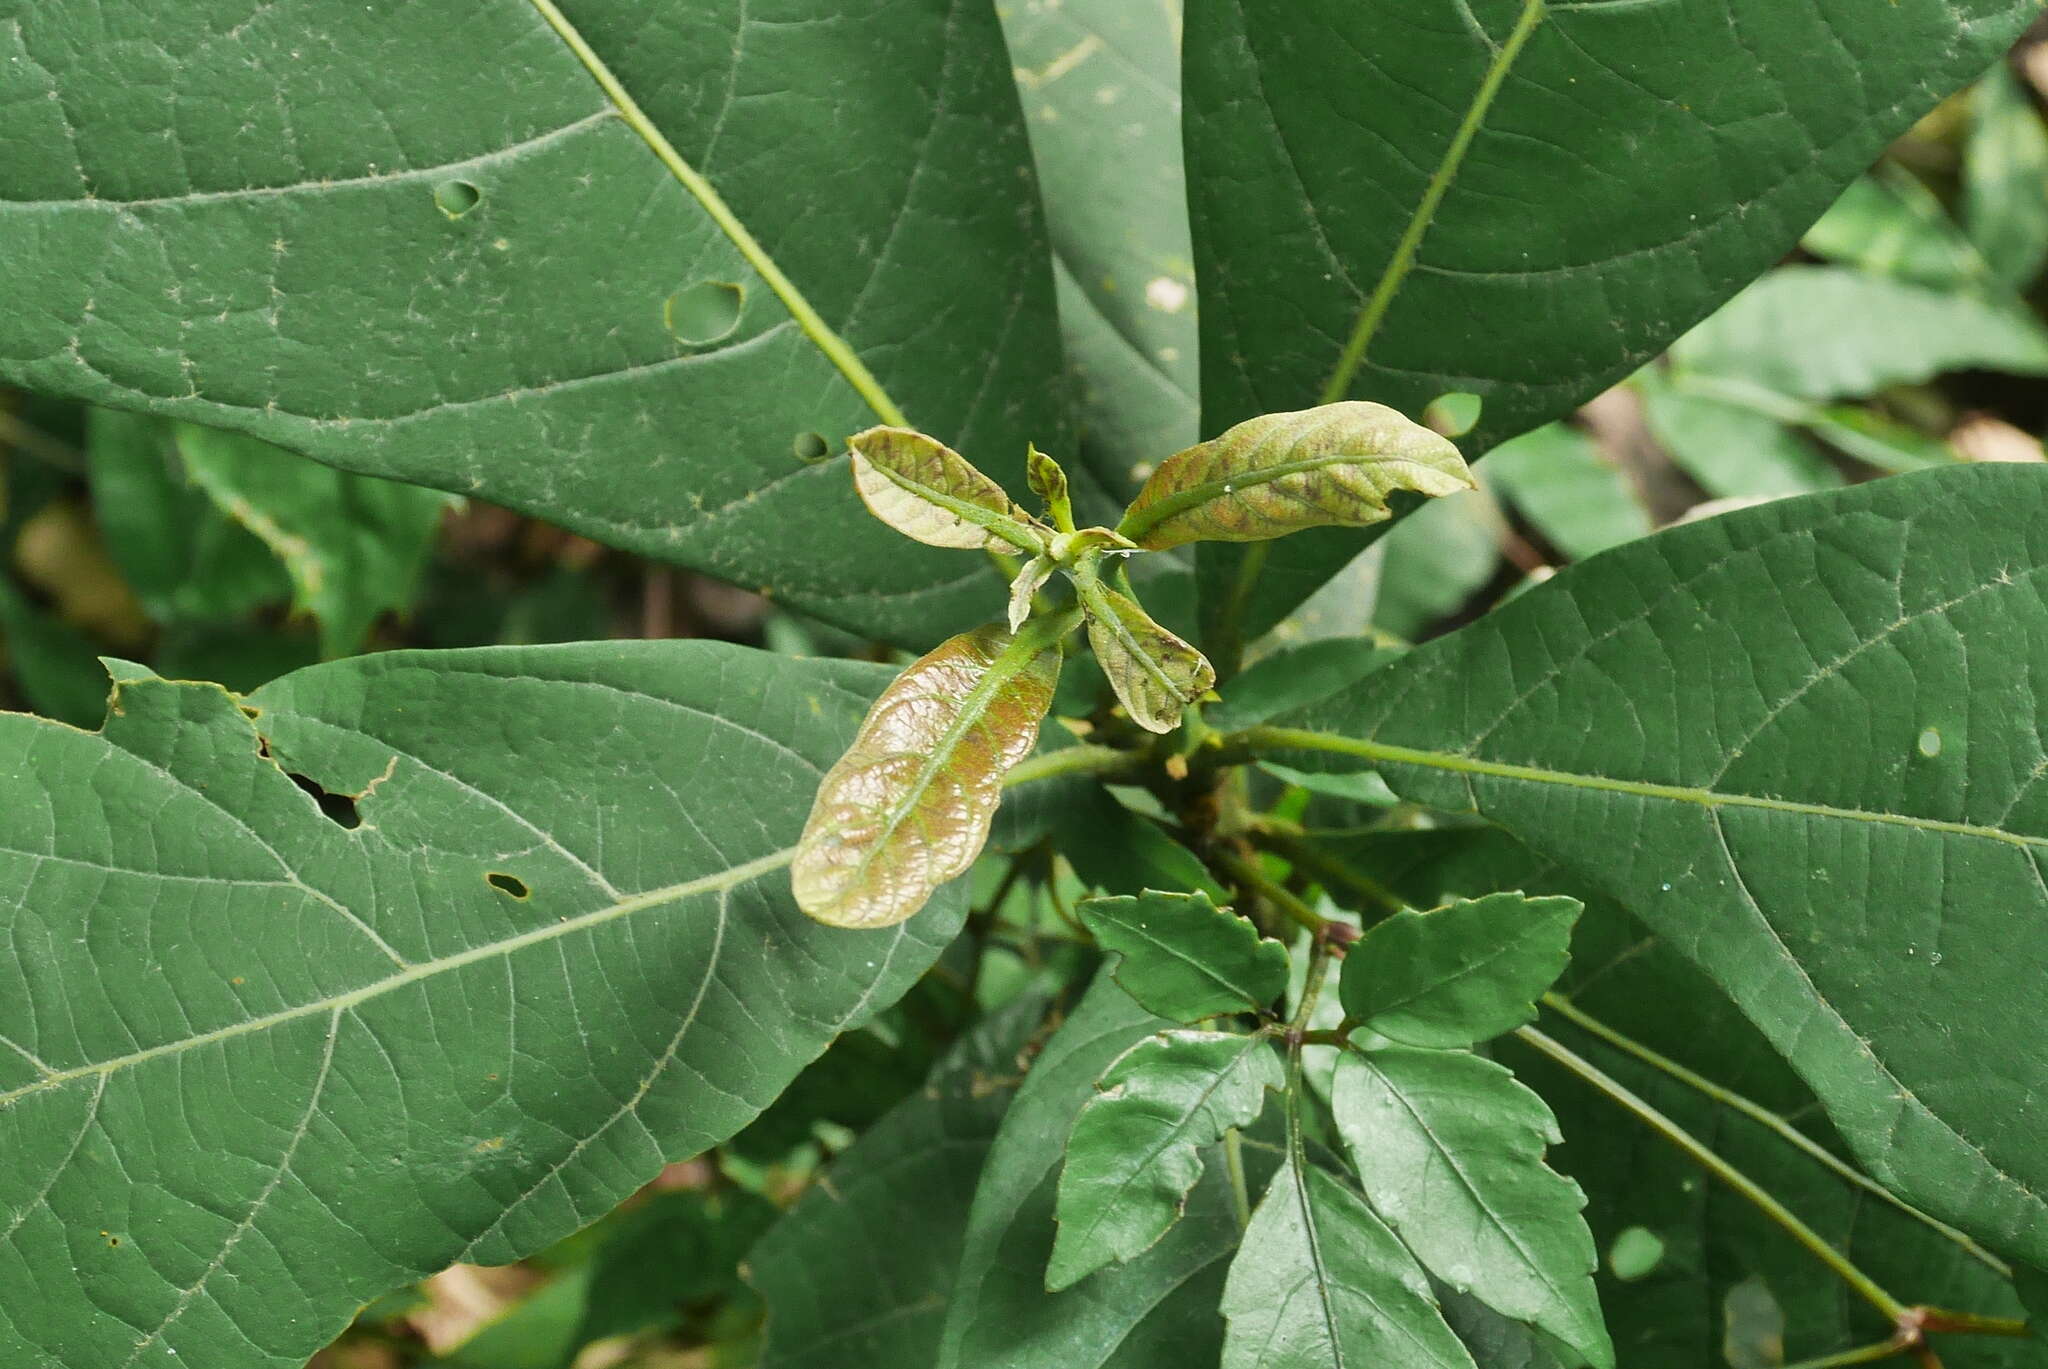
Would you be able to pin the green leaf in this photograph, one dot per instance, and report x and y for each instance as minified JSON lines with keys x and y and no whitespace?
{"x":1450,"y":1150}
{"x":2005,"y":179}
{"x":185,"y":557}
{"x":1184,"y":958}
{"x":1891,"y":224}
{"x":1711,"y":1240}
{"x":1283,"y":472}
{"x":1581,"y":502}
{"x":624,"y":293}
{"x":1460,"y":974}
{"x":1121,"y":852}
{"x":1136,"y":1148}
{"x":909,"y":805}
{"x":1672,"y":728}
{"x":513,"y":961}
{"x":1738,"y":439}
{"x":352,"y":545}
{"x":932,"y":494}
{"x":1157,"y":1311}
{"x":857,"y":1275}
{"x":1320,"y":1283}
{"x":1524,"y":199}
{"x":673,"y":1250}
{"x":55,"y":666}
{"x":1154,"y":673}
{"x":1436,"y":559}
{"x":1100,"y":82}
{"x":1817,"y":332}
{"x":1293,"y":676}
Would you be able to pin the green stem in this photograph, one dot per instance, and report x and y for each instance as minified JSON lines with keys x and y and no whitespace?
{"x":1894,"y":1312}
{"x":1233,"y":1161}
{"x":820,"y":333}
{"x":1764,"y":1117}
{"x":1247,"y":875}
{"x":1403,"y":260}
{"x":1381,"y":901}
{"x":1072,"y":760}
{"x":1864,"y":1354}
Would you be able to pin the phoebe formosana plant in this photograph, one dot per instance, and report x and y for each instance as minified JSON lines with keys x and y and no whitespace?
{"x":908,"y":806}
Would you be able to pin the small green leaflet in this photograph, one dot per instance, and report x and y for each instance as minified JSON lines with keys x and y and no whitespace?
{"x":1460,"y":974}
{"x":1450,"y":1149}
{"x":1136,"y":1148}
{"x":1184,"y":958}
{"x":1320,"y":1283}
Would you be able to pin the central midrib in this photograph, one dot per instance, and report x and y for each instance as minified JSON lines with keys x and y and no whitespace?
{"x":427,"y":969}
{"x":1299,"y":739}
{"x":835,"y":348}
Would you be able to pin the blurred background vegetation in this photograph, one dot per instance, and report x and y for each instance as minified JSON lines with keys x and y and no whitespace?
{"x":1906,"y":331}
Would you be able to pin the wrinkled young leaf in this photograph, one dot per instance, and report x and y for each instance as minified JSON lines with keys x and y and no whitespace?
{"x":1844,"y":899}
{"x":1450,"y":1151}
{"x":1524,"y":199}
{"x":909,"y":805}
{"x":621,"y":289}
{"x":514,"y":962}
{"x":1320,"y":1283}
{"x":1461,"y":974}
{"x":1184,"y":958}
{"x":1282,"y":472}
{"x":932,"y":494}
{"x":856,"y":1276}
{"x":1155,"y":674}
{"x":1157,"y":1311}
{"x":1136,"y":1149}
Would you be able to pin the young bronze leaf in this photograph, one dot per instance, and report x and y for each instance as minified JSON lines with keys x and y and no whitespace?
{"x":927,"y":491}
{"x":1154,"y":673}
{"x":909,"y":805}
{"x":1280,"y":473}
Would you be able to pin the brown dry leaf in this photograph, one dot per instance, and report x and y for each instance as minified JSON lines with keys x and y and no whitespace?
{"x":908,"y":806}
{"x":1280,"y":473}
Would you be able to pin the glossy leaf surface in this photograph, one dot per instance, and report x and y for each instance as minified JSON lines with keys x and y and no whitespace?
{"x":1414,"y":217}
{"x":391,"y":1004}
{"x":1322,"y":1284}
{"x":1283,"y":472}
{"x":909,"y":805}
{"x":1673,"y":722}
{"x":931,"y":494}
{"x":1450,"y":1149}
{"x":616,"y":287}
{"x":1184,"y":958}
{"x":1136,"y":1148}
{"x":1155,"y":674}
{"x":1459,"y":974}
